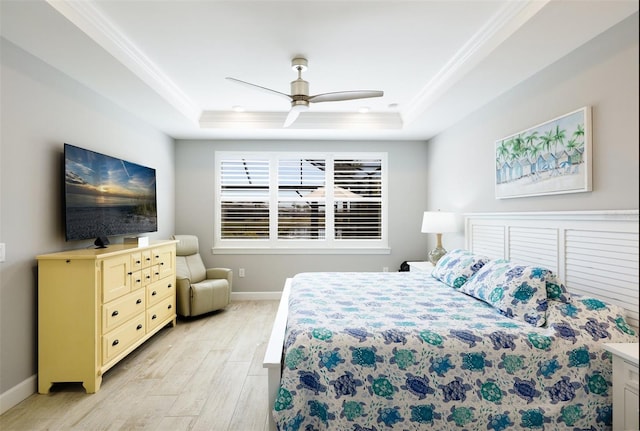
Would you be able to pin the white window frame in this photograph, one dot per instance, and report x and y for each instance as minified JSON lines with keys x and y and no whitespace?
{"x":273,"y":245}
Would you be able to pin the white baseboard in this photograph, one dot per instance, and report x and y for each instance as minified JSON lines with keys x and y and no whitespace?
{"x":256,"y":296}
{"x":18,"y":393}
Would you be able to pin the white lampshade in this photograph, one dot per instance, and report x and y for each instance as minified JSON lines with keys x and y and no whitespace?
{"x":438,"y":222}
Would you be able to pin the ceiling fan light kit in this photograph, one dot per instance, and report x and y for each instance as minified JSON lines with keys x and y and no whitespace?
{"x":299,"y":96}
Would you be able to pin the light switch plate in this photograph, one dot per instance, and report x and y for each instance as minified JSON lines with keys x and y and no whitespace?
{"x":2,"y":251}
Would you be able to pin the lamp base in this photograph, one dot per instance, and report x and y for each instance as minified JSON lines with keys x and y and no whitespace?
{"x":436,"y":254}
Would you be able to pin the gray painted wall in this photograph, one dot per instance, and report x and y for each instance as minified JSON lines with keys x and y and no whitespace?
{"x":267,"y":273}
{"x":602,"y":74}
{"x":41,"y":110}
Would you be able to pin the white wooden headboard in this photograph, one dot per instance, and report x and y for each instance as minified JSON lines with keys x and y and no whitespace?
{"x":594,"y":252}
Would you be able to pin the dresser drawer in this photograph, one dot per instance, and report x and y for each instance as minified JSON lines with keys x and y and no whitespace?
{"x":136,"y":280}
{"x":125,"y":335}
{"x":160,"y":312}
{"x":630,"y":375}
{"x":160,"y":290}
{"x":146,"y":258}
{"x":118,"y":311}
{"x":631,"y":412}
{"x":146,"y":276}
{"x":136,"y":261}
{"x":155,"y":273}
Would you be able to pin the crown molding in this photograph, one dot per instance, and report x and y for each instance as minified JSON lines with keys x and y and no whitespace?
{"x":504,"y":23}
{"x":88,"y":18}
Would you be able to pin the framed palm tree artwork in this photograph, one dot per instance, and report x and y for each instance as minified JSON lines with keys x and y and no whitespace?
{"x":551,"y":158}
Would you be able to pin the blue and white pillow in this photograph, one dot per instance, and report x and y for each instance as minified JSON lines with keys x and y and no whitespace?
{"x":591,"y":317}
{"x":517,"y":291}
{"x":457,"y":266}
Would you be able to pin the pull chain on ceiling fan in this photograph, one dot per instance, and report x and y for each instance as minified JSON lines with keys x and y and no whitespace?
{"x":299,"y":96}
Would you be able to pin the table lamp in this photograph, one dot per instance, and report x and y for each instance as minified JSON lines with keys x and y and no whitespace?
{"x":438,"y":222}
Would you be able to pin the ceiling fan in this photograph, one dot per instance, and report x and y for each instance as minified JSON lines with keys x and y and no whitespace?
{"x":299,"y":96}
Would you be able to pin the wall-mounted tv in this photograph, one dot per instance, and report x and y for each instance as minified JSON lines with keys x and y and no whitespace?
{"x":106,"y":196}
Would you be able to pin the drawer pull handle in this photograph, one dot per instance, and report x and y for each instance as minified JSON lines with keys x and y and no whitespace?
{"x":139,"y":327}
{"x":169,"y":307}
{"x":154,"y":293}
{"x":115,"y":313}
{"x":148,"y":259}
{"x":139,"y":301}
{"x":148,"y":276}
{"x":115,"y":342}
{"x":129,"y":273}
{"x":138,"y":262}
{"x":157,"y":257}
{"x":154,"y":317}
{"x":161,"y":263}
{"x":169,"y":286}
{"x":157,"y":273}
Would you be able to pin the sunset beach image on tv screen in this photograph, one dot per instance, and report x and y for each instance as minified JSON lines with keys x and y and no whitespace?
{"x":107,"y":196}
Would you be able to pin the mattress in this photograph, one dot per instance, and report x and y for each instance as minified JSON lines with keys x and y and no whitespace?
{"x":403,"y":351}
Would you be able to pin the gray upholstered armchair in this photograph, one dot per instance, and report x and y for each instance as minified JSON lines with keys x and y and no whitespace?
{"x":199,"y":290}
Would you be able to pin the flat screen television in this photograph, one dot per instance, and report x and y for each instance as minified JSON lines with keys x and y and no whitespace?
{"x":106,"y":196}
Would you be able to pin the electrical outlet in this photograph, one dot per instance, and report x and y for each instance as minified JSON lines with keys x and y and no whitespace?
{"x":2,"y":251}
{"x":385,"y":269}
{"x":240,"y":272}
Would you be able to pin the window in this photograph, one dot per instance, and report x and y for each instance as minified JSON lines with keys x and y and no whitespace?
{"x":300,"y":200}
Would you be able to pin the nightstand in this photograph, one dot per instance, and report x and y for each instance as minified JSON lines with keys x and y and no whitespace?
{"x":422,"y":266}
{"x":625,"y":385}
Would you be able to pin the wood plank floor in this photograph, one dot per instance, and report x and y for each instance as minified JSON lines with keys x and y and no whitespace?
{"x":204,"y":374}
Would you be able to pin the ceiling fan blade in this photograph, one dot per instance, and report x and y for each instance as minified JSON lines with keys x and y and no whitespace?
{"x":293,"y":114}
{"x":238,"y":81}
{"x":345,"y":95}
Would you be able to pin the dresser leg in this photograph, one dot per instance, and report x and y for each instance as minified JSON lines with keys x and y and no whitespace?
{"x":44,"y":387}
{"x":92,"y":386}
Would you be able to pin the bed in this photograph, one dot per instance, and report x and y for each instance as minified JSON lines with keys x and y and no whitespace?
{"x":373,"y":351}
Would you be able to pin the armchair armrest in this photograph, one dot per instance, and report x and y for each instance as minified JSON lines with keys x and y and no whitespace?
{"x":183,"y":294}
{"x":225,"y":273}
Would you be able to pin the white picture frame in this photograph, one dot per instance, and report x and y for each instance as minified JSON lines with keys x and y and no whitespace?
{"x":551,"y":158}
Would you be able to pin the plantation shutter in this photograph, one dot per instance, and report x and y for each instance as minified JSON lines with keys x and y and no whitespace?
{"x":244,"y":198}
{"x":282,"y":200}
{"x":301,"y":214}
{"x":358,"y":199}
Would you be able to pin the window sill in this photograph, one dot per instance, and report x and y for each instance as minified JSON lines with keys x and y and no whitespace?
{"x":295,"y":250}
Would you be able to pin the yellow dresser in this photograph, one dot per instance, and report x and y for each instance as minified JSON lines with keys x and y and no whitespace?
{"x":95,"y":306}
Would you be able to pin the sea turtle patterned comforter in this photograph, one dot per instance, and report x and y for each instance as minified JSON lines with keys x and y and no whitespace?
{"x":402,"y":351}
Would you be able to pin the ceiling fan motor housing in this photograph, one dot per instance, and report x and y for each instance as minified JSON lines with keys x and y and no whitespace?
{"x":299,"y":87}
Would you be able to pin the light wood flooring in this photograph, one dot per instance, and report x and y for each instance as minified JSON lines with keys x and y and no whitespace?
{"x":204,"y":374}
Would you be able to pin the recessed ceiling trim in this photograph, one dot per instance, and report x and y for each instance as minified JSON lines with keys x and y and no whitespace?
{"x":88,"y":18}
{"x":511,"y":16}
{"x":306,"y":120}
